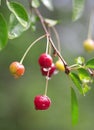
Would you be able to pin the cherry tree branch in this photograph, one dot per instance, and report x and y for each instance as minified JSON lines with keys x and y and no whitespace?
{"x":44,"y":25}
{"x":67,"y":70}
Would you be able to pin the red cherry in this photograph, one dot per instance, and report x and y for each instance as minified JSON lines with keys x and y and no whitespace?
{"x":48,"y":72}
{"x":45,"y":60}
{"x":17,"y":69}
{"x":42,"y":102}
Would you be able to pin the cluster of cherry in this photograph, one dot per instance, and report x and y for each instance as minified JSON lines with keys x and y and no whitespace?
{"x":48,"y":68}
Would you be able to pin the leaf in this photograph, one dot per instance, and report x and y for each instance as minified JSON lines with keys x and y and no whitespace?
{"x":34,"y":19}
{"x":78,"y":6}
{"x":0,"y":2}
{"x":84,"y":76}
{"x":15,"y":28}
{"x":51,"y":22}
{"x":48,"y":4}
{"x":19,"y":11}
{"x":3,"y":32}
{"x":80,"y":60}
{"x":74,"y":107}
{"x":76,"y":81}
{"x":35,"y":3}
{"x":90,"y":63}
{"x":86,"y":88}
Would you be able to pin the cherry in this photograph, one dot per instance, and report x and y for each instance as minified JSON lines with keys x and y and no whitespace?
{"x":45,"y":60}
{"x":48,"y":72}
{"x":59,"y":65}
{"x":42,"y":102}
{"x":88,"y":45}
{"x":16,"y":69}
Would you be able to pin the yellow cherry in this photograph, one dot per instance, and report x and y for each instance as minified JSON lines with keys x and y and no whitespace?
{"x":59,"y":65}
{"x":88,"y":45}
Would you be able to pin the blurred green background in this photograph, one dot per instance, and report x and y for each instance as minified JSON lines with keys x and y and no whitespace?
{"x":16,"y":96}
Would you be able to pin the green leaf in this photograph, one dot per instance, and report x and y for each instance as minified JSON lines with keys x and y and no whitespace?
{"x":19,"y":11}
{"x":84,"y":76}
{"x":48,"y":4}
{"x":76,"y":81}
{"x":35,"y":3}
{"x":80,"y":60}
{"x":90,"y":63}
{"x":74,"y":107}
{"x":86,"y":88}
{"x":3,"y":32}
{"x":34,"y":19}
{"x":15,"y":28}
{"x":0,"y":2}
{"x":78,"y":6}
{"x":51,"y":22}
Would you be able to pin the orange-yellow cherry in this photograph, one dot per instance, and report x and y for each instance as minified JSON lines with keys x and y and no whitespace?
{"x":59,"y":65}
{"x":17,"y":69}
{"x":88,"y":45}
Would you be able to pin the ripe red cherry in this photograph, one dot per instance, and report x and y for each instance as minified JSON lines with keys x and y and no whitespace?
{"x":45,"y":60}
{"x":42,"y":102}
{"x":48,"y":72}
{"x":16,"y":69}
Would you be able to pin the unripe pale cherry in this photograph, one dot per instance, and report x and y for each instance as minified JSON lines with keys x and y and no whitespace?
{"x":88,"y":45}
{"x":17,"y":69}
{"x":45,"y":60}
{"x":49,"y":72}
{"x":42,"y":102}
{"x":59,"y":65}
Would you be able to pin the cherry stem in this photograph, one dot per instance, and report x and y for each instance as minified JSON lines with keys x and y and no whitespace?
{"x":90,"y":27}
{"x":74,"y":67}
{"x":47,"y":46}
{"x":46,"y":86}
{"x":57,"y":38}
{"x":27,"y":50}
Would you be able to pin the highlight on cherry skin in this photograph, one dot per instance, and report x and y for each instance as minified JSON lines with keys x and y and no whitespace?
{"x":45,"y":60}
{"x":42,"y":102}
{"x":88,"y":45}
{"x":16,"y":69}
{"x":49,"y":72}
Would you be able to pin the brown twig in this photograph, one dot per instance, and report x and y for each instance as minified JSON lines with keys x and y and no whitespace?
{"x":91,"y":72}
{"x":42,"y":21}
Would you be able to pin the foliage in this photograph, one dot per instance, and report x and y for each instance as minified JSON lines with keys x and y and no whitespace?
{"x":74,"y":106}
{"x":78,"y":6}
{"x":81,"y":72}
{"x":3,"y":32}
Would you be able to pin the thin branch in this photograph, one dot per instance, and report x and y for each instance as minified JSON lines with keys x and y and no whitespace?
{"x":67,"y":70}
{"x":57,"y":38}
{"x":42,"y":21}
{"x":90,"y":26}
{"x":58,"y":53}
{"x":32,"y":44}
